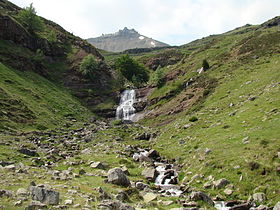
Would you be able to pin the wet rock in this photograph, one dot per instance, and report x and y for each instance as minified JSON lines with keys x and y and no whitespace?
{"x":150,"y":174}
{"x":140,"y":185}
{"x":114,"y":205}
{"x":98,"y":165}
{"x":148,"y":197}
{"x":28,"y":152}
{"x":117,"y":176}
{"x":44,"y":195}
{"x":259,"y":197}
{"x":220,"y":183}
{"x":196,"y":196}
{"x":277,"y":206}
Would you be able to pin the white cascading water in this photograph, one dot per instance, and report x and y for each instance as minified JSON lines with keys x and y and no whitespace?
{"x":125,"y":110}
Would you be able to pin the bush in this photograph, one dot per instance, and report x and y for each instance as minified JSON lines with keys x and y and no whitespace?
{"x":158,"y":79}
{"x":28,"y":18}
{"x":88,"y":66}
{"x":193,"y":119}
{"x":132,"y":70}
{"x":205,"y":64}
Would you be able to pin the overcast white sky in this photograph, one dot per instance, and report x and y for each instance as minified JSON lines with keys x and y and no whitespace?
{"x":175,"y":22}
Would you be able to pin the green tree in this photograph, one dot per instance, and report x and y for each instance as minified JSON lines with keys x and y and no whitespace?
{"x":132,"y":70}
{"x":88,"y":66}
{"x":158,"y":79}
{"x":30,"y":20}
{"x":205,"y":64}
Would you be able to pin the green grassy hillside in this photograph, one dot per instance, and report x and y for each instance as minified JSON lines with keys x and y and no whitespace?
{"x":29,"y":101}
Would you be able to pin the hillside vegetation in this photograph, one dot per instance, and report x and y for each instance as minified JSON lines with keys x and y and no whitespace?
{"x":221,"y":123}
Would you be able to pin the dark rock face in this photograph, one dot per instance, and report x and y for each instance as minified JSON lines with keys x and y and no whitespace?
{"x":117,"y":176}
{"x":44,"y":195}
{"x":123,"y":40}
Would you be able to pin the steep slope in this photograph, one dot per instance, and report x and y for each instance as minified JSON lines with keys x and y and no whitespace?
{"x":123,"y":40}
{"x":56,"y":55}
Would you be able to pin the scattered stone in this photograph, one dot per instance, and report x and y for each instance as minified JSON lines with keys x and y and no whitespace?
{"x":10,"y":167}
{"x":187,"y":126}
{"x":220,"y":183}
{"x":207,"y":151}
{"x":228,"y":191}
{"x":77,"y":205}
{"x":6,"y":193}
{"x":245,"y":140}
{"x":148,"y":197}
{"x":140,"y":185}
{"x":98,"y":165}
{"x":122,"y":196}
{"x":167,"y":203}
{"x":150,"y":174}
{"x":68,"y":202}
{"x":207,"y":185}
{"x":125,"y":170}
{"x":28,"y":152}
{"x":86,"y":151}
{"x":117,"y":176}
{"x":18,"y":203}
{"x":43,"y":195}
{"x":153,"y":154}
{"x":259,"y":197}
{"x":196,"y":196}
{"x":114,"y":205}
{"x":35,"y":205}
{"x":190,"y":204}
{"x":277,"y":206}
{"x":102,"y":194}
{"x":21,"y":192}
{"x":143,"y":136}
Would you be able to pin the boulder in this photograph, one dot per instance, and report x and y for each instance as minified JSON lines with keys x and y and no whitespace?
{"x":196,"y":196}
{"x":117,"y":176}
{"x":21,"y":192}
{"x":44,"y":195}
{"x":150,"y":174}
{"x":243,"y":206}
{"x":35,"y":205}
{"x":220,"y":183}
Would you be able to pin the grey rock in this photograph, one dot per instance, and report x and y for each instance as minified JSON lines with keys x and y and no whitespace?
{"x":259,"y":197}
{"x":114,"y":205}
{"x":150,"y":174}
{"x":153,"y":154}
{"x":21,"y":192}
{"x":6,"y":193}
{"x":122,"y":196}
{"x":98,"y":165}
{"x":43,"y":195}
{"x":140,"y":185}
{"x":28,"y":152}
{"x":117,"y":176}
{"x":220,"y":183}
{"x":277,"y":206}
{"x":34,"y":205}
{"x":196,"y":196}
{"x":243,"y":206}
{"x":103,"y":195}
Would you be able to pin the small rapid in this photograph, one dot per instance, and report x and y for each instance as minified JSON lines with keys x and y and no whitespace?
{"x":125,"y":111}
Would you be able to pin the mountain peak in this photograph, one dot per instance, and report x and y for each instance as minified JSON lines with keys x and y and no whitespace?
{"x":124,"y":39}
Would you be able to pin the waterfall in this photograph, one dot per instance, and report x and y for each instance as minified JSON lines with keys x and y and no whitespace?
{"x":125,"y":110}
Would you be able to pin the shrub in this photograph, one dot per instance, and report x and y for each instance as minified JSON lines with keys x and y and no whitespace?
{"x":132,"y":70}
{"x":158,"y":77}
{"x":205,"y":64}
{"x":193,"y":119}
{"x":88,"y":66}
{"x":30,"y":20}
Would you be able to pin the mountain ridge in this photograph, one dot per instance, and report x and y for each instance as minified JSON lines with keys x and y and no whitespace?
{"x":124,"y":40}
